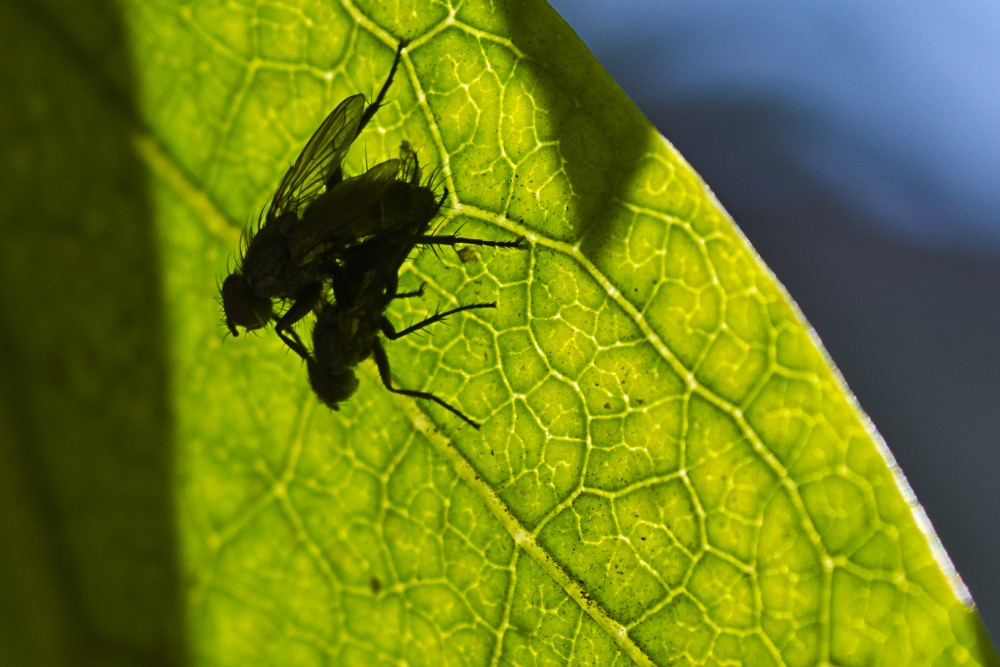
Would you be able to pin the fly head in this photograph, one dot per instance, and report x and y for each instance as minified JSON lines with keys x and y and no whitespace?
{"x":243,"y":308}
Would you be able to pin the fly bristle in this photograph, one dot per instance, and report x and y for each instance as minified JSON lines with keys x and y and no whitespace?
{"x":246,"y":238}
{"x":434,"y":178}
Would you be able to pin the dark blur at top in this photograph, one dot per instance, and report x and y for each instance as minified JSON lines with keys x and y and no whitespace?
{"x":857,"y":145}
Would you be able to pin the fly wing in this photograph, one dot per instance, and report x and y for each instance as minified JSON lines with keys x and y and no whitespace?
{"x":319,"y":160}
{"x":345,"y":213}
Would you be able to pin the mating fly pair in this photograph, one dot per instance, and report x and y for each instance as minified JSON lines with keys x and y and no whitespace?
{"x":324,"y":234}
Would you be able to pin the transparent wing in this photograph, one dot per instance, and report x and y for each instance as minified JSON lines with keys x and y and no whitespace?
{"x":321,"y":157}
{"x":345,"y":213}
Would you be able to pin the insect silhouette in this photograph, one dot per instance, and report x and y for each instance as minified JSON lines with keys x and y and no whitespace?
{"x":314,"y":214}
{"x":334,"y":245}
{"x":347,"y":329}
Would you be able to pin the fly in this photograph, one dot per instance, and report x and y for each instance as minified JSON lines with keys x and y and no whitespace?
{"x":313,"y":215}
{"x":334,"y":245}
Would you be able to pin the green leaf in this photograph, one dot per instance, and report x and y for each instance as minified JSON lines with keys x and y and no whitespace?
{"x":669,"y":470}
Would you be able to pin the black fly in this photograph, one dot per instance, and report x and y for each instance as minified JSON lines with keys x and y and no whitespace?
{"x":323,"y":236}
{"x":313,"y":214}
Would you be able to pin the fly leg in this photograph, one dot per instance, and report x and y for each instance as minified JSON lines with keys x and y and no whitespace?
{"x":382,"y":361}
{"x":304,"y":302}
{"x":389,"y":332}
{"x":292,"y":340}
{"x":409,"y":295}
{"x":337,"y":175}
{"x":373,"y":108}
{"x":453,"y":240}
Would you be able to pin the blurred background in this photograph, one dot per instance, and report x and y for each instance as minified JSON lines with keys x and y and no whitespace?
{"x":857,"y":145}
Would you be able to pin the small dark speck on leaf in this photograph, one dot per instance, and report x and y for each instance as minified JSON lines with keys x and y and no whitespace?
{"x":468,"y":254}
{"x":377,"y":585}
{"x":607,"y":406}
